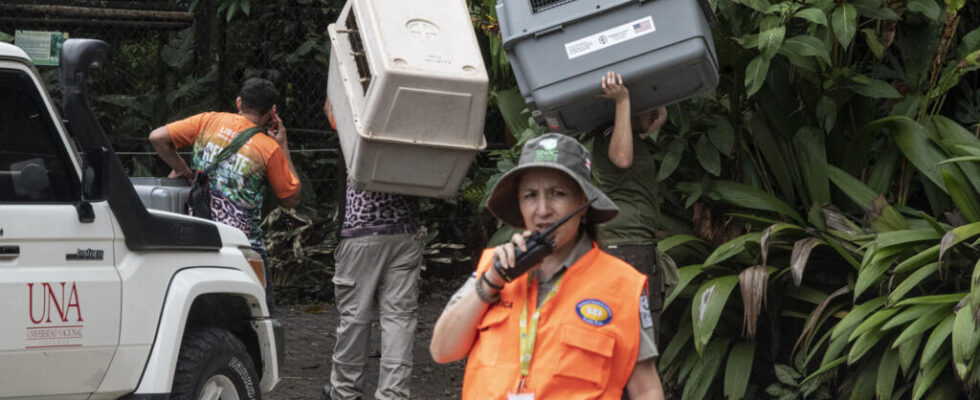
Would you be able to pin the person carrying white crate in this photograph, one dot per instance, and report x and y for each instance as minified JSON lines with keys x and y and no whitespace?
{"x":378,"y":261}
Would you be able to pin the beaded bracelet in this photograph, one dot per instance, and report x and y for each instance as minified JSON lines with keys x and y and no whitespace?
{"x":483,"y":277}
{"x":486,"y":297}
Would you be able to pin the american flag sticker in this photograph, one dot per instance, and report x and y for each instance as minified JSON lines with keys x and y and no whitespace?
{"x":643,"y":26}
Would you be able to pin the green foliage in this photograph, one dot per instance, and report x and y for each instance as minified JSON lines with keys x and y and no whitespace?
{"x":835,"y":116}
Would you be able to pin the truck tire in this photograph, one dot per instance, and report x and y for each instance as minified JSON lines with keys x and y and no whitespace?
{"x":213,"y":364}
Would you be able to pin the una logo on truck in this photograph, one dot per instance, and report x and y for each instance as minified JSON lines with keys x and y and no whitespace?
{"x":55,"y":312}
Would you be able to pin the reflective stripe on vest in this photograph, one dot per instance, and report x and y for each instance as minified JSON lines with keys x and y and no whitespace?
{"x":587,"y":341}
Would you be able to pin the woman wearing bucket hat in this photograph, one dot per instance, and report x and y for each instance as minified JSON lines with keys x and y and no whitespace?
{"x":578,"y":324}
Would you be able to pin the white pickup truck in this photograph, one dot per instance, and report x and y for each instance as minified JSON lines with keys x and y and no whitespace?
{"x":101,"y":298}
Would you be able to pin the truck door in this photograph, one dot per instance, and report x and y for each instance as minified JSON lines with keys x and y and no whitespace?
{"x":59,"y":290}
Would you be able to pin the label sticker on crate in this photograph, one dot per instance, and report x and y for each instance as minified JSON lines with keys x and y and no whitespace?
{"x":610,"y":37}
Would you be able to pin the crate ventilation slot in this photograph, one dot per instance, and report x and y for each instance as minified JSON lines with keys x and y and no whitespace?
{"x":541,"y":5}
{"x":357,"y":50}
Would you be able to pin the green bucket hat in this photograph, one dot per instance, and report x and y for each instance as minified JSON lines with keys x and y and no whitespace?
{"x":555,"y":151}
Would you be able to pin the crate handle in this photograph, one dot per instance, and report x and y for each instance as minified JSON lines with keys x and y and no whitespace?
{"x":550,"y":30}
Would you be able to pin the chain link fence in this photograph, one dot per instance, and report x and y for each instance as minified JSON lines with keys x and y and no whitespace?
{"x":168,"y":61}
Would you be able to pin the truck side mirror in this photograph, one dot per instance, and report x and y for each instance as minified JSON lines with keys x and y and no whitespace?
{"x":95,"y":175}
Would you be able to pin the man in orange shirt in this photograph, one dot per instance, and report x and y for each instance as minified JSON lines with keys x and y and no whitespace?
{"x":239,"y":182}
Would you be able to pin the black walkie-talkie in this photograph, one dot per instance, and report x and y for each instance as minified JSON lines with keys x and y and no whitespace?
{"x":539,"y":245}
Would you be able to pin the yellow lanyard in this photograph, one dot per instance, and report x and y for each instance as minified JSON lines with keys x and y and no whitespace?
{"x":527,"y":338}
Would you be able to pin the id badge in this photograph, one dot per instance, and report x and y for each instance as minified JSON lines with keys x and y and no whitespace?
{"x":520,"y":396}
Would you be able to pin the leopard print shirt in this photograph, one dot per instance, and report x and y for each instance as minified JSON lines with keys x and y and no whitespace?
{"x":376,"y":213}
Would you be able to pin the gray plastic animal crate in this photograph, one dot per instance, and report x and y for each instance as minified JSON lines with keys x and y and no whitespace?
{"x":162,"y":193}
{"x":559,"y":50}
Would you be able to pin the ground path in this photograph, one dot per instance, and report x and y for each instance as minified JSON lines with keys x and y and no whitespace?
{"x":310,"y":337}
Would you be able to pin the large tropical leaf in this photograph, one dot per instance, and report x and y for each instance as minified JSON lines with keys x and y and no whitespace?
{"x":876,"y":89}
{"x":963,"y":197}
{"x":863,"y":345}
{"x":908,"y":351}
{"x":704,"y":373}
{"x":929,"y":8}
{"x":814,"y":15}
{"x":811,"y":322}
{"x":853,"y":188}
{"x":755,"y":74}
{"x":806,"y":46}
{"x":685,"y":275}
{"x":738,"y":370}
{"x":669,"y":243}
{"x":966,"y":339}
{"x":750,"y":197}
{"x":957,"y":141}
{"x":873,"y":323}
{"x":921,"y":325}
{"x":911,"y":314}
{"x":812,"y":159}
{"x":912,"y":281}
{"x":927,"y":375}
{"x":936,"y":341}
{"x":844,"y":22}
{"x":771,"y":36}
{"x":709,"y":302}
{"x":779,"y":163}
{"x":731,"y":248}
{"x":956,"y":236}
{"x":675,"y":151}
{"x":708,"y":155}
{"x":512,"y":109}
{"x":677,"y":343}
{"x":855,"y":317}
{"x":869,"y":274}
{"x":906,"y":237}
{"x":887,"y":375}
{"x":721,"y":134}
{"x":917,"y":260}
{"x":916,"y":145}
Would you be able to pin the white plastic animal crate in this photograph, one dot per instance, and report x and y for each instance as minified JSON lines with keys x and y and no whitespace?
{"x":408,"y":90}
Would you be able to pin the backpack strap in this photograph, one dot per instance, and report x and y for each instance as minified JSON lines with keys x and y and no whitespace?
{"x":232,"y":148}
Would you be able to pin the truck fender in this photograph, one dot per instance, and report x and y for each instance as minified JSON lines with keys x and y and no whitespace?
{"x":187,"y":285}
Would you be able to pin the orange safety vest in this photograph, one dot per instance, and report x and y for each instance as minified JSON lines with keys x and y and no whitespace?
{"x":588,"y":334}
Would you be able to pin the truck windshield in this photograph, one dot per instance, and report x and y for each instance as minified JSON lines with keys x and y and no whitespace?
{"x":34,"y":164}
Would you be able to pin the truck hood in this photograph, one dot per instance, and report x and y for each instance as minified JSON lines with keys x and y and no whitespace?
{"x":230,"y":236}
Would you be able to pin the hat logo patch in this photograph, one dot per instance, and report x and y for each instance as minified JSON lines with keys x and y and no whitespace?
{"x":546,"y":155}
{"x":593,"y":312}
{"x":549,"y":144}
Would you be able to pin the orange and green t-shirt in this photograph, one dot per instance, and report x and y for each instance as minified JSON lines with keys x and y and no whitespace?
{"x":243,"y":177}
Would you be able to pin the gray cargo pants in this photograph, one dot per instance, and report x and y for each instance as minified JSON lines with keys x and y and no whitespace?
{"x":380,"y":270}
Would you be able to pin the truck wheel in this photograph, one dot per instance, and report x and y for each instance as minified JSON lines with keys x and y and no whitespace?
{"x":213,"y":365}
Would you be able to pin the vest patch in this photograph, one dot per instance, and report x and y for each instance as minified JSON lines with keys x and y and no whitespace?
{"x":594,"y":312}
